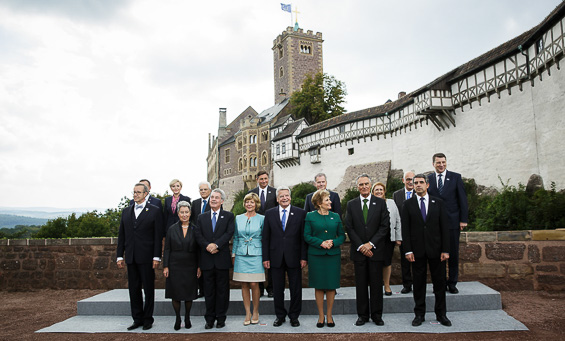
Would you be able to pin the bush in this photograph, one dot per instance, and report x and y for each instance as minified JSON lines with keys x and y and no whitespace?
{"x":299,"y":193}
{"x":351,"y":193}
{"x":237,"y":207}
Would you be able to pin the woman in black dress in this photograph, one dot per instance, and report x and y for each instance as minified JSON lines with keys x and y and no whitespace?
{"x":180,"y":262}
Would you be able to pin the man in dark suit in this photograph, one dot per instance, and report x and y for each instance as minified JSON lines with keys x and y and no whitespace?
{"x":152,"y":200}
{"x":425,"y":234}
{"x":285,"y":252}
{"x":213,"y":233}
{"x":399,"y":197}
{"x":199,"y":206}
{"x":321,"y":183}
{"x":139,"y":242}
{"x":449,"y":187}
{"x":268,"y":197}
{"x":367,"y":223}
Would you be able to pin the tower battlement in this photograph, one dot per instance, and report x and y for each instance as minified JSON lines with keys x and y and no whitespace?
{"x":300,"y":33}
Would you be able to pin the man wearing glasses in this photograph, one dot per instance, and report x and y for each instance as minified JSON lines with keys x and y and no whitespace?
{"x":399,"y":197}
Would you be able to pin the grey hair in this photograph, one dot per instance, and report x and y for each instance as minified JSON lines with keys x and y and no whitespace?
{"x":404,"y":176}
{"x":222,"y":193}
{"x":183,"y":204}
{"x":145,"y":188}
{"x":204,"y":183}
{"x":421,"y":176}
{"x":364,"y":175}
{"x":319,"y":175}
{"x":283,"y":188}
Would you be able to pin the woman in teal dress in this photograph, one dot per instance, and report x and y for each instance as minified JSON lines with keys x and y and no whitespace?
{"x":248,"y":252}
{"x":323,"y":231}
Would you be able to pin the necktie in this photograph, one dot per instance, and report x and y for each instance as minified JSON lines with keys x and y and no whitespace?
{"x":137,"y":207}
{"x":283,"y":220}
{"x":203,"y":206}
{"x":408,"y":195}
{"x":263,"y":199}
{"x":214,"y":222}
{"x":423,"y":208}
{"x":365,"y":210}
{"x":439,"y":183}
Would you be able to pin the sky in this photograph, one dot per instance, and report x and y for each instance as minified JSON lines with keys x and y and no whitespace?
{"x":97,"y":94}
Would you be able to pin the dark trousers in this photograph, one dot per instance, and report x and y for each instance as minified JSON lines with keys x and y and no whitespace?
{"x":269,"y":280}
{"x":216,"y":294}
{"x":437,"y":271}
{"x":406,"y":267}
{"x":453,"y":260}
{"x":369,"y":300}
{"x":141,"y":276}
{"x":295,"y":287}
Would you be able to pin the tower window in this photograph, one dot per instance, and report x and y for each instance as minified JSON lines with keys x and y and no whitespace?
{"x":281,"y":54}
{"x":305,"y":48}
{"x":281,"y":72}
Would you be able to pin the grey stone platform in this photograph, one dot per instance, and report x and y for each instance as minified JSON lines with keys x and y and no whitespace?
{"x":472,"y":296}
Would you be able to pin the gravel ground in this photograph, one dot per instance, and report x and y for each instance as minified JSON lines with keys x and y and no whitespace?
{"x":22,"y":313}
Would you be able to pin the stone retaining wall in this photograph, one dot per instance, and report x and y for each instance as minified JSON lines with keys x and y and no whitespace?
{"x":517,"y":260}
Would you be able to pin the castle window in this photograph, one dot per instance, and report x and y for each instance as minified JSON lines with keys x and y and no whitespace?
{"x":238,"y":144}
{"x":227,"y":155}
{"x":283,"y":148}
{"x":305,"y":48}
{"x":278,"y":149}
{"x":341,"y":129}
{"x":281,"y":73}
{"x":265,"y":136}
{"x":539,"y":46}
{"x":350,"y":151}
{"x":240,"y":164}
{"x":281,"y":54}
{"x":264,"y":159}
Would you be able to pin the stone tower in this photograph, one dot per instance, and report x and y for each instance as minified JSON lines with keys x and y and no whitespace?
{"x":295,"y":54}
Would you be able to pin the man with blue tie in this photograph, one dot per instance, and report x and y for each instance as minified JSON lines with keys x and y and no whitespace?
{"x":285,"y":252}
{"x":400,"y":197}
{"x":425,"y":234}
{"x":449,"y":187}
{"x":213,"y":233}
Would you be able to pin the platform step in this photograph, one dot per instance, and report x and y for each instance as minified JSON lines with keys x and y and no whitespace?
{"x":472,"y":296}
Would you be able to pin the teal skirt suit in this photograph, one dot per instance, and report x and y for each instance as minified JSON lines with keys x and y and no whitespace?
{"x":324,"y":265}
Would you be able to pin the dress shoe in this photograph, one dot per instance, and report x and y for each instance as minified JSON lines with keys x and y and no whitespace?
{"x":379,"y":321}
{"x":270,"y":294}
{"x":200,"y":294}
{"x":444,"y":321}
{"x":321,"y":324}
{"x":147,"y":326}
{"x":278,"y":322}
{"x":177,"y":323}
{"x":255,"y":321}
{"x":220,"y":324}
{"x":452,"y":289}
{"x":388,"y":293}
{"x":331,"y":324}
{"x":360,"y":321}
{"x":418,"y":321}
{"x":187,"y":324}
{"x":135,"y":325}
{"x":209,"y":325}
{"x":294,"y":322}
{"x":405,"y":290}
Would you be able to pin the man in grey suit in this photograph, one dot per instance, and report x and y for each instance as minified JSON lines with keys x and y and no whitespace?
{"x":399,"y":197}
{"x":321,"y":183}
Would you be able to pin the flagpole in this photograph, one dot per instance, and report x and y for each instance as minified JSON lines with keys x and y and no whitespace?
{"x":291,"y":24}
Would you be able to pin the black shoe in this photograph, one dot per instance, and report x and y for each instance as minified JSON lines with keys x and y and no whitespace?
{"x":379,"y":321}
{"x":262,"y":293}
{"x":444,"y":321}
{"x":452,"y":289}
{"x":360,"y":321}
{"x":187,"y":324}
{"x":278,"y":322}
{"x":209,"y":325}
{"x":135,"y":325}
{"x":418,"y":321}
{"x":177,"y":323}
{"x":220,"y":324}
{"x":331,"y":324}
{"x":321,"y":324}
{"x":270,"y":294}
{"x":200,"y":294}
{"x":294,"y":322}
{"x":388,"y":293}
{"x":147,"y":326}
{"x":405,"y":290}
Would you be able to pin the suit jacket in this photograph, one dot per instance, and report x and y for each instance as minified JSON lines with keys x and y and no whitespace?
{"x":318,"y":228}
{"x":375,"y":230}
{"x":153,"y":201}
{"x":196,"y":209}
{"x":288,"y":244}
{"x":168,"y":216}
{"x":453,"y":196}
{"x":140,"y":240}
{"x":427,"y":238}
{"x":225,"y":227}
{"x":174,"y":243}
{"x":400,"y":196}
{"x":270,"y":199}
{"x":334,"y":197}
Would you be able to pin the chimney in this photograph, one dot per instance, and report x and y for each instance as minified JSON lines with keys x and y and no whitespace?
{"x":222,"y":126}
{"x":401,"y":94}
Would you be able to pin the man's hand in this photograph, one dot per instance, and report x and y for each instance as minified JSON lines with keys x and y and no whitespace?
{"x":212,"y":248}
{"x":366,"y":249}
{"x":155,"y":264}
{"x":166,"y":272}
{"x":303,"y":264}
{"x":462,"y":226}
{"x":444,"y":256}
{"x":267,"y":264}
{"x":120,"y":264}
{"x":410,"y":257}
{"x":198,"y":273}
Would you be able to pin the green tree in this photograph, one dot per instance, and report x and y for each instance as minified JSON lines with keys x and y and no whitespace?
{"x":321,"y":98}
{"x":299,"y":193}
{"x":54,"y":228}
{"x":237,"y":207}
{"x":351,"y":193}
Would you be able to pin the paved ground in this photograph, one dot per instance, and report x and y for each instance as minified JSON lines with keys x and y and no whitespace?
{"x":22,"y":313}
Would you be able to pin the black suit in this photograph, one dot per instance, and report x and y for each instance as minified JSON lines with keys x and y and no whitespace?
{"x":399,"y":198}
{"x":334,"y":197}
{"x":196,"y":209}
{"x":139,"y":241}
{"x":368,"y":271}
{"x":153,"y":201}
{"x":427,"y":240}
{"x":270,"y":198}
{"x":455,"y":201}
{"x":168,"y":216}
{"x":215,"y":267}
{"x":285,"y":249}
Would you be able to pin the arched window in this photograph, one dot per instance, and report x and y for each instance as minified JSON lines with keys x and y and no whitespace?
{"x":264,"y":158}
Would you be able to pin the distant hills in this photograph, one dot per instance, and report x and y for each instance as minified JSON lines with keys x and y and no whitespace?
{"x":12,"y":216}
{"x":11,"y":221}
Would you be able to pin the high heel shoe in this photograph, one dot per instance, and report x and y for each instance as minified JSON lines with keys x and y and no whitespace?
{"x":255,"y":321}
{"x":330,"y":324}
{"x":187,"y":323}
{"x":177,"y":324}
{"x":247,"y":321}
{"x":321,"y":324}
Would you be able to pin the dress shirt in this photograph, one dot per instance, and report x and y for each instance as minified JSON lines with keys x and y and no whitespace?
{"x":368,"y":204}
{"x":442,"y":177}
{"x":264,"y":190}
{"x":137,"y":212}
{"x":427,"y":203}
{"x":406,"y":193}
{"x":281,"y":213}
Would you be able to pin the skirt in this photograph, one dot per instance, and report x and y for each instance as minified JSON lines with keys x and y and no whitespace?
{"x":248,"y":269}
{"x":324,"y":271}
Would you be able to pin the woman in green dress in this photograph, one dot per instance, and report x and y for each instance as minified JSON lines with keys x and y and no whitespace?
{"x":323,"y":231}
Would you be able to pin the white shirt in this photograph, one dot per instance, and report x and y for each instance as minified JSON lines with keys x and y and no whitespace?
{"x":137,"y":209}
{"x":264,"y":191}
{"x":368,"y":202}
{"x":426,"y":201}
{"x":212,"y":214}
{"x":281,"y":213}
{"x":442,"y":176}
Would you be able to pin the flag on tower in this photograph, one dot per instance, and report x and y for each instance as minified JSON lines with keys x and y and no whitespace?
{"x":286,"y":7}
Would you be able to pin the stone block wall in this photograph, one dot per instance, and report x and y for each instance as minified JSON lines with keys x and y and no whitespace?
{"x":520,"y":260}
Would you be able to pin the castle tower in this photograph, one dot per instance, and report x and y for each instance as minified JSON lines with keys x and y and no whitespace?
{"x":295,"y":54}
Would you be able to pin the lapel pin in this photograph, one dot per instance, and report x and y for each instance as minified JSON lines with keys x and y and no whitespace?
{"x":374,"y":203}
{"x":146,"y":209}
{"x":222,"y":217}
{"x":269,"y":191}
{"x":331,"y":218}
{"x":446,"y":179}
{"x":433,"y":201}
